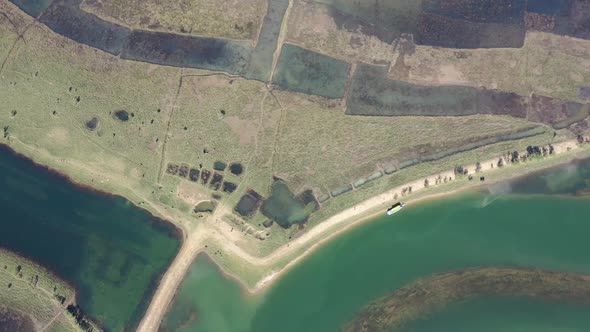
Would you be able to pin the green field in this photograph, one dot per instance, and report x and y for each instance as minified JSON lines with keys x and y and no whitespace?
{"x":37,"y":292}
{"x":52,"y":88}
{"x":191,"y":117}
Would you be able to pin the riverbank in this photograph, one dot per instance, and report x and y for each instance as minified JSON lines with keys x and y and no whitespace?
{"x":290,"y":254}
{"x":448,"y":234}
{"x":36,"y":292}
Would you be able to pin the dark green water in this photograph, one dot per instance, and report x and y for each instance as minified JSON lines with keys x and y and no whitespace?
{"x":505,"y":315}
{"x":113,"y":252}
{"x":470,"y":230}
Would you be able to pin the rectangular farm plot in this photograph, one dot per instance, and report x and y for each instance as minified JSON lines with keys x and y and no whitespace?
{"x":71,"y":22}
{"x":497,"y":11}
{"x":187,"y":51}
{"x":444,"y":31}
{"x":553,"y":7}
{"x":304,"y":71}
{"x":32,"y":7}
{"x":373,"y":93}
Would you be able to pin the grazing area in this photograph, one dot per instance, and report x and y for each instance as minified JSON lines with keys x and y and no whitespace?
{"x":262,"y":144}
{"x":33,"y":298}
{"x":312,"y":73}
{"x":78,"y":234}
{"x":373,"y":149}
{"x":547,"y":65}
{"x":373,"y":93}
{"x":236,"y":19}
{"x":238,"y":57}
{"x":70,"y":21}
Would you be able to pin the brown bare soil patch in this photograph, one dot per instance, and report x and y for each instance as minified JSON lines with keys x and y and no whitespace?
{"x":190,"y":193}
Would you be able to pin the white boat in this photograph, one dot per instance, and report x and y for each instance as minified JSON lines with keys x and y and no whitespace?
{"x":395,"y":208}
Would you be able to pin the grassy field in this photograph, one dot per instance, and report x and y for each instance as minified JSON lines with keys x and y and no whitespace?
{"x":52,"y":87}
{"x":548,"y":65}
{"x":31,"y":289}
{"x":308,"y":72}
{"x":312,"y":26}
{"x":236,"y":19}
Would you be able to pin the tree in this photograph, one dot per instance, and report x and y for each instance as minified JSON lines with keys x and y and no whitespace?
{"x":551,"y":149}
{"x":580,"y":139}
{"x":500,"y":162}
{"x":426,"y":183}
{"x":477,"y":166}
{"x":514,"y":157}
{"x":533,"y":151}
{"x":459,"y":170}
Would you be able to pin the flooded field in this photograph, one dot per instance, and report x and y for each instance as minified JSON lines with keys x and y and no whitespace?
{"x":187,"y":51}
{"x":304,"y":71}
{"x":111,"y":251}
{"x":553,"y":7}
{"x":384,"y":19}
{"x":456,"y":24}
{"x":262,"y":55}
{"x":85,"y":28}
{"x":235,"y":57}
{"x":32,"y":7}
{"x":373,"y":93}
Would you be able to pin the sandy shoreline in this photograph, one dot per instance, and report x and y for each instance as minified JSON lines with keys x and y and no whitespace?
{"x":299,"y":248}
{"x":352,"y":217}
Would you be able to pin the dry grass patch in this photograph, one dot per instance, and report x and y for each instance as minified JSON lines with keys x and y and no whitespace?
{"x":238,"y":19}
{"x":310,"y":25}
{"x":323,"y":149}
{"x":548,"y":65}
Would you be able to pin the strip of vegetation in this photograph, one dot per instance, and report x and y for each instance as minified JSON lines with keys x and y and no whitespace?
{"x":427,"y":295}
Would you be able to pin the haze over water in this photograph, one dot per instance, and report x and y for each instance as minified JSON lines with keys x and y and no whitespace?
{"x":522,"y":225}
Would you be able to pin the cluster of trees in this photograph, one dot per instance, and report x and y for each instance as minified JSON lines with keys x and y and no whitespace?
{"x":531,"y":152}
{"x":80,"y":317}
{"x":439,"y":179}
{"x":582,"y":139}
{"x":406,"y":190}
{"x":460,"y":170}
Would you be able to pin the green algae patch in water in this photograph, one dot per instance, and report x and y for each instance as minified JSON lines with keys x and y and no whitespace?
{"x":286,"y":209}
{"x":208,"y":301}
{"x":111,"y":251}
{"x":309,"y":72}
